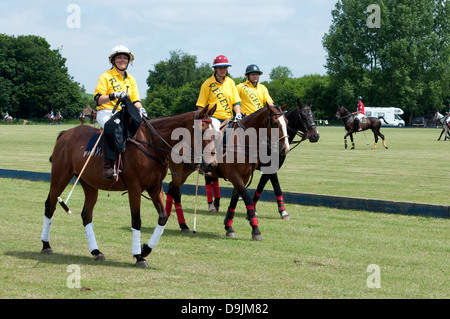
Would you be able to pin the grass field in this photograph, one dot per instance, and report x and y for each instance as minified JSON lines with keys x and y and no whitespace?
{"x":320,"y":253}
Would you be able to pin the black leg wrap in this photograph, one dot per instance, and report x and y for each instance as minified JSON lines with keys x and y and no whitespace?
{"x":145,"y":251}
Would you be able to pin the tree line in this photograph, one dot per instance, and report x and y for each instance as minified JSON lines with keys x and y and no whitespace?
{"x":402,"y":60}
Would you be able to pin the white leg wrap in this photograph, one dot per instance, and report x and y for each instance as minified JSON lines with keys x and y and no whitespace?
{"x":154,"y":240}
{"x":45,"y":236}
{"x":136,"y":245}
{"x":89,"y":229}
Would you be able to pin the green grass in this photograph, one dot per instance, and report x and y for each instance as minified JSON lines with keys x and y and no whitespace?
{"x":320,"y":253}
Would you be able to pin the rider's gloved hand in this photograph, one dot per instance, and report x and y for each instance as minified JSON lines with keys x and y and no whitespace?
{"x":118,"y":95}
{"x":238,"y":117}
{"x":142,"y":112}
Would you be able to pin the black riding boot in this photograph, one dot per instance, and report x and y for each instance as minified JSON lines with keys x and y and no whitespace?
{"x":108,"y":169}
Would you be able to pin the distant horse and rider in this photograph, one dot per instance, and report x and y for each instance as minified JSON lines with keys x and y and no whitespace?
{"x":445,"y":122}
{"x":8,"y":118}
{"x":144,"y":164}
{"x":352,"y":126}
{"x":54,"y":119}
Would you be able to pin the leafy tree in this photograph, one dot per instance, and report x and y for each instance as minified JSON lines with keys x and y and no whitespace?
{"x":280,"y":73}
{"x":404,"y":63}
{"x":34,"y":78}
{"x":174,"y":84}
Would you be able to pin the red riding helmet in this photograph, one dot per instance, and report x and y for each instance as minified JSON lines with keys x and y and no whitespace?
{"x":220,"y":60}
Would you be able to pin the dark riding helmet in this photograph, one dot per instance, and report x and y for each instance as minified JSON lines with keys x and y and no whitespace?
{"x":252,"y":68}
{"x":359,"y":98}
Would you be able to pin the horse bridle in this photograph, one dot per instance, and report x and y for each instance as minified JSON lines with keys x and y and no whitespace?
{"x":303,"y":136}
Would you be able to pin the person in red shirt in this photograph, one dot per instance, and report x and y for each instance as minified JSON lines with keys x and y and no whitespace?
{"x":360,"y":114}
{"x":360,"y":106}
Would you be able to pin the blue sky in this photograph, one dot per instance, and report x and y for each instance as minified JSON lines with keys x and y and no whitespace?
{"x":266,"y":32}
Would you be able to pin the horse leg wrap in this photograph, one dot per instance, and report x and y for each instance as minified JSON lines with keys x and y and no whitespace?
{"x":251,"y":215}
{"x":45,"y":236}
{"x":209,"y":193}
{"x":256,"y":197}
{"x":216,"y":188}
{"x":180,"y":214}
{"x":157,"y":233}
{"x":229,"y":218}
{"x":136,"y":244}
{"x":280,"y":204}
{"x":169,"y":203}
{"x":89,"y":229}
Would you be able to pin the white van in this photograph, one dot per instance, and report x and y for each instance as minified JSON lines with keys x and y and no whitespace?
{"x":390,"y":114}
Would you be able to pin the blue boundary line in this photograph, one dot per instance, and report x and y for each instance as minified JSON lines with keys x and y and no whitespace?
{"x":352,"y":203}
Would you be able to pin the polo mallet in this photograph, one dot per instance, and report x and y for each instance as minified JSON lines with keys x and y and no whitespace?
{"x":195,"y":204}
{"x":64,"y":203}
{"x":367,"y":142}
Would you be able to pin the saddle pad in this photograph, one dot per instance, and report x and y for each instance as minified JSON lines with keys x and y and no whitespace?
{"x":90,"y":145}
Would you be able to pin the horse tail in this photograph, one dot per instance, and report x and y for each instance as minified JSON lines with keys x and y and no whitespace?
{"x":59,"y":135}
{"x":382,"y":117}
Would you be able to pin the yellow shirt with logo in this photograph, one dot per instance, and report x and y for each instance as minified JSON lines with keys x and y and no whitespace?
{"x":111,"y":81}
{"x":224,"y":94}
{"x":252,"y":99}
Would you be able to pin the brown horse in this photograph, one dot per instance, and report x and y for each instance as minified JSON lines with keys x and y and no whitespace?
{"x":144,"y":167}
{"x":372,"y":123}
{"x":235,"y":168}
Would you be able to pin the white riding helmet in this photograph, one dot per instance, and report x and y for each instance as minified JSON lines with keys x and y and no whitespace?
{"x":121,"y":49}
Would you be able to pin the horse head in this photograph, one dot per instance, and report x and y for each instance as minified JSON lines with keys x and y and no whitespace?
{"x":438,"y":116}
{"x":306,"y":117}
{"x":341,"y":112}
{"x":209,"y":160}
{"x":277,"y":119}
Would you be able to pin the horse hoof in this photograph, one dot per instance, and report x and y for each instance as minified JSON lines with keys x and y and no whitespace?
{"x":47,"y":251}
{"x":100,"y":257}
{"x":185,"y":230}
{"x":257,"y":237}
{"x":212,"y":209}
{"x":231,"y":234}
{"x":142,"y":264}
{"x":285,"y":216}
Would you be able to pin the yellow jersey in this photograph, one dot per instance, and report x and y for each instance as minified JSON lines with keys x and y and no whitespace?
{"x":111,"y":81}
{"x":224,"y":94}
{"x":252,"y":99}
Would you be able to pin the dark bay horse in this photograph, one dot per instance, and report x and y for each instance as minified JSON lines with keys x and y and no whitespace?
{"x":300,"y":124}
{"x":372,"y":123}
{"x":237,"y":168}
{"x":144,"y":167}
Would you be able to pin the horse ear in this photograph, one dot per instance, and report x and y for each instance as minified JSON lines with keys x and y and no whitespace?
{"x":201,"y":113}
{"x":283,"y":107}
{"x":212,"y":110}
{"x":299,"y":102}
{"x":310,"y":102}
